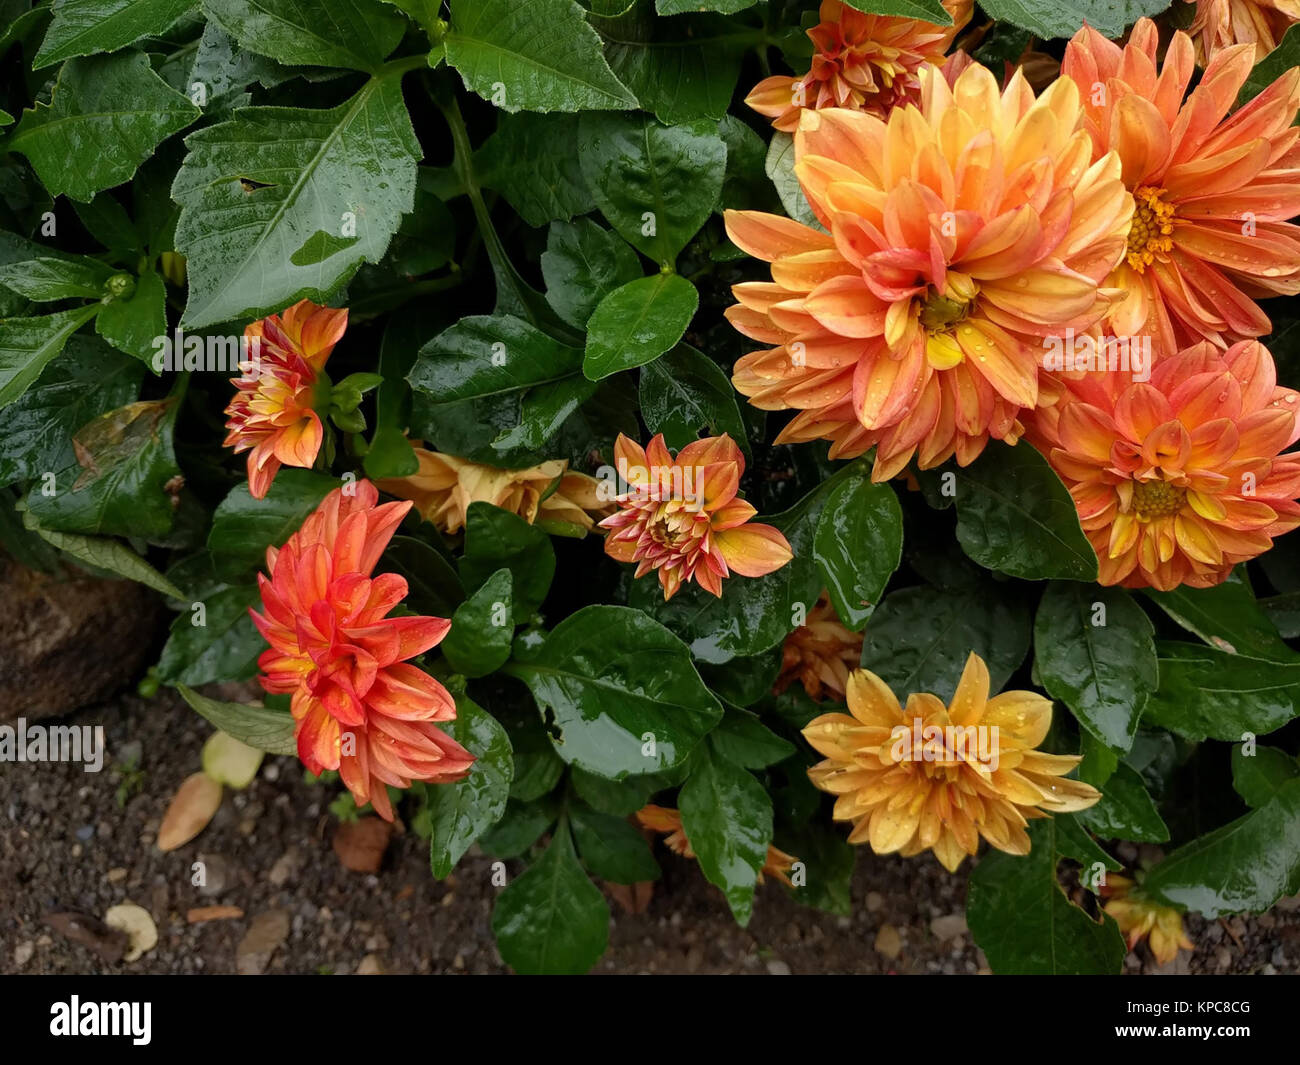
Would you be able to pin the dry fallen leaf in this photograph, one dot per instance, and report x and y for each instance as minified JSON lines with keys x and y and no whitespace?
{"x":199,"y":914}
{"x":191,"y":808}
{"x":109,"y":943}
{"x":360,"y":845}
{"x":635,"y":898}
{"x":141,"y":932}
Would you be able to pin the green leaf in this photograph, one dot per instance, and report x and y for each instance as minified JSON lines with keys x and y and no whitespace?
{"x":537,"y":767}
{"x":224,"y":648}
{"x":625,"y":697}
{"x":1063,"y":18}
{"x":47,"y":279}
{"x":741,"y":738}
{"x":84,"y":27}
{"x":1285,"y":56}
{"x":858,"y":546}
{"x":744,"y":681}
{"x":495,"y":538}
{"x":490,"y":356}
{"x":532,"y":161}
{"x":685,"y":394}
{"x":618,"y":797}
{"x":244,"y":527}
{"x":1126,"y":810}
{"x":105,"y":553}
{"x":656,"y":184}
{"x":1025,"y":924}
{"x":919,"y":639}
{"x":36,"y":429}
{"x":132,"y":325}
{"x":1259,"y":777}
{"x":28,"y":344}
{"x":779,"y":165}
{"x":256,"y":192}
{"x":1095,"y":651}
{"x":727,"y":817}
{"x":542,"y":413}
{"x":925,"y":10}
{"x":583,"y":263}
{"x":357,"y":34}
{"x":481,"y":629}
{"x":519,"y":828}
{"x":1245,"y":866}
{"x":637,"y":323}
{"x":1208,"y":693}
{"x":106,"y":116}
{"x":681,"y":69}
{"x":1283,"y":612}
{"x":434,"y":587}
{"x":460,"y":812}
{"x":828,"y":861}
{"x":1014,"y":515}
{"x":539,"y":56}
{"x":267,"y":730}
{"x":1226,"y":616}
{"x":678,"y":7}
{"x":611,"y":848}
{"x":552,"y":920}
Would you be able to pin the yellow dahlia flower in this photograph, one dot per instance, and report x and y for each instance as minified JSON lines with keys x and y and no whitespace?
{"x":1220,"y":24}
{"x":1213,"y":191}
{"x":1141,"y":918}
{"x":444,"y":486}
{"x":930,"y":777}
{"x":960,"y":234}
{"x":861,"y":62}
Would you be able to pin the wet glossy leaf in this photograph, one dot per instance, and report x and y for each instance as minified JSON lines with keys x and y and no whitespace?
{"x":611,"y":848}
{"x":780,"y":168}
{"x":244,"y":527}
{"x":925,"y":10}
{"x":132,"y":325}
{"x":463,"y":810}
{"x":495,"y":538}
{"x":520,"y":827}
{"x":858,"y":545}
{"x":104,"y":553}
{"x":358,"y":34}
{"x":1258,"y":777}
{"x":106,"y":117}
{"x":685,"y":395}
{"x":433,"y":586}
{"x":1227,"y":617}
{"x":267,"y":730}
{"x":84,"y":27}
{"x":28,"y":344}
{"x":481,"y":629}
{"x":727,"y":817}
{"x":542,"y":54}
{"x":742,"y":739}
{"x":257,"y":193}
{"x":1125,"y":811}
{"x":532,"y":160}
{"x":484,"y":357}
{"x":618,"y":797}
{"x":225,"y":647}
{"x":656,"y":184}
{"x":1095,"y":651}
{"x":583,"y":263}
{"x":552,"y":919}
{"x":624,"y":694}
{"x":48,"y":279}
{"x":637,"y":323}
{"x":1062,"y":18}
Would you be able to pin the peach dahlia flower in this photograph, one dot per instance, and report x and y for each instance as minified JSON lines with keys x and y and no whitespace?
{"x":359,"y":704}
{"x":272,"y":415}
{"x":1178,"y":479}
{"x":668,"y":821}
{"x":444,"y":486}
{"x":1213,"y":192}
{"x":820,"y":654}
{"x":908,"y":797}
{"x":961,"y":233}
{"x":861,"y":62}
{"x":1220,"y":24}
{"x":681,"y":518}
{"x":1140,"y":917}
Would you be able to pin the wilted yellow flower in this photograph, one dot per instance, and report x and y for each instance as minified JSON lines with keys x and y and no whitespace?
{"x":1220,"y":24}
{"x":669,"y":821}
{"x":1139,"y":917}
{"x":444,"y":486}
{"x":820,"y":653}
{"x":931,"y":777}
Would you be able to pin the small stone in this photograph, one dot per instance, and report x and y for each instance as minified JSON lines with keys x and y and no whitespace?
{"x":271,"y":771}
{"x":1288,"y":905}
{"x":875,"y":900}
{"x":1268,"y":970}
{"x":267,"y":932}
{"x":285,"y":868}
{"x":458,"y":962}
{"x":1278,"y":958}
{"x":218,"y":875}
{"x":114,"y":876}
{"x":371,"y":965}
{"x":776,"y":967}
{"x":85,"y":833}
{"x":889,"y":942}
{"x":1222,"y":958}
{"x":949,"y":926}
{"x":23,"y":954}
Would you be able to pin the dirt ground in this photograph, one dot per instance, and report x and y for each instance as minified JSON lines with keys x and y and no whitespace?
{"x":67,"y":846}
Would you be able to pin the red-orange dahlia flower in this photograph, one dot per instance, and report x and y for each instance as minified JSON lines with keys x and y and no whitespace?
{"x":680,"y":516}
{"x":861,"y":62}
{"x":961,"y":233}
{"x":1213,"y":193}
{"x":1178,"y":479}
{"x":360,"y":706}
{"x":1220,"y":24}
{"x":272,"y":415}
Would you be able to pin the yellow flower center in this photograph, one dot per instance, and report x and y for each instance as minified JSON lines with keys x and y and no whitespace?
{"x":1150,"y":236}
{"x":1157,"y":499}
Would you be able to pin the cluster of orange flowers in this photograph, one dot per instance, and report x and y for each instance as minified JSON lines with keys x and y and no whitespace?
{"x":966,"y":230}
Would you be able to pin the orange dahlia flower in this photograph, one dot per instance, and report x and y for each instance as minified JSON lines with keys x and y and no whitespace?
{"x":861,"y":62}
{"x":1220,"y":24}
{"x":1140,"y":917}
{"x":930,"y":777}
{"x":444,"y":487}
{"x":820,"y":653}
{"x":359,"y":704}
{"x":681,"y":518}
{"x":1178,"y":479}
{"x":961,"y":233}
{"x":272,"y":415}
{"x":669,"y":821}
{"x":1213,"y":193}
